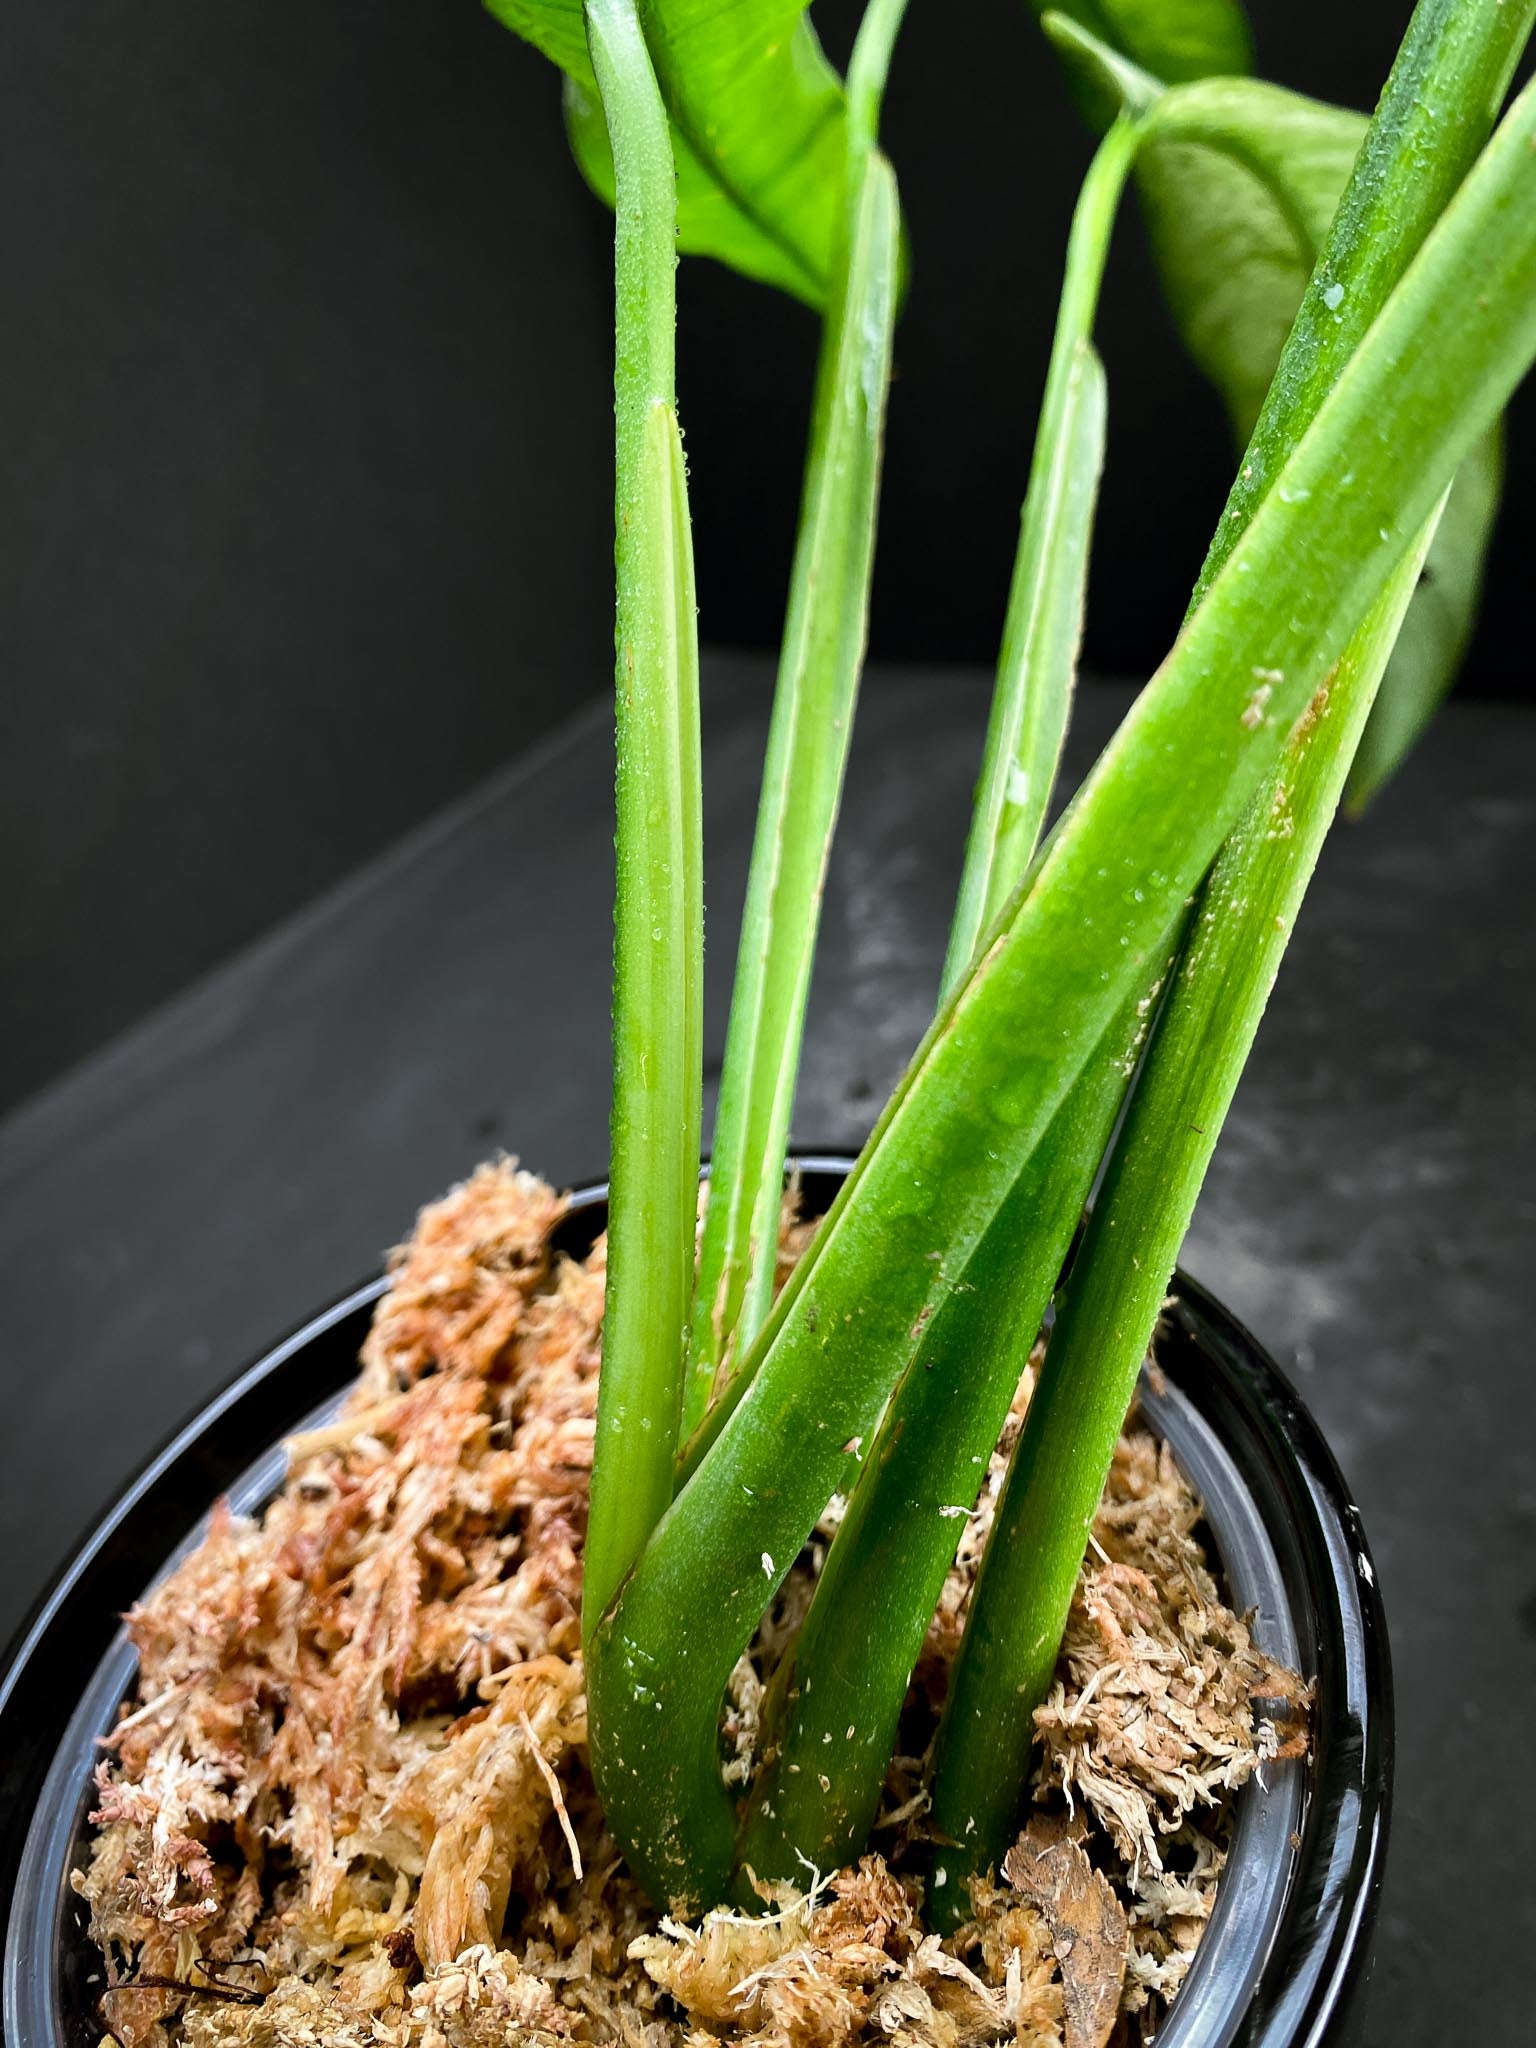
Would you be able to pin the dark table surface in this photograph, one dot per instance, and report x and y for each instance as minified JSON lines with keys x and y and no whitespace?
{"x":247,"y":1152}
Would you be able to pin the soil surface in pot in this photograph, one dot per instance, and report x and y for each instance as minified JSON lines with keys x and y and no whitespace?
{"x":350,"y":1800}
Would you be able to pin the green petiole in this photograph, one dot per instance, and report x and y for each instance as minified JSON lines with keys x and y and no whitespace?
{"x":823,"y":653}
{"x":1200,"y":1043}
{"x":854,"y":1656}
{"x":1032,"y":700}
{"x":916,"y":1485}
{"x":1021,"y":1602}
{"x":658,"y":914}
{"x":1203,"y":738}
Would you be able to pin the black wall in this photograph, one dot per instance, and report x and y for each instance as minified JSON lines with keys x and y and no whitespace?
{"x":304,"y":470}
{"x":303,"y":438}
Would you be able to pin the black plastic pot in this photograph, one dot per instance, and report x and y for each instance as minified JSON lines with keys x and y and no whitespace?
{"x":1287,"y":1951}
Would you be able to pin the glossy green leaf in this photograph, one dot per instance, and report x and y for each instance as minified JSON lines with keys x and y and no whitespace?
{"x":765,"y":114}
{"x":1436,"y":110}
{"x":709,"y":222}
{"x":557,"y":27}
{"x":1175,"y":39}
{"x":1239,"y":203}
{"x":1239,"y":190}
{"x":1108,"y":44}
{"x":759,"y":122}
{"x":1440,"y":620}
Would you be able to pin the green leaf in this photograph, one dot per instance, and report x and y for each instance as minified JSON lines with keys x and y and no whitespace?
{"x":1443,"y":95}
{"x":1439,"y":625}
{"x":1203,"y":737}
{"x":1436,"y":109}
{"x":709,"y":222}
{"x":759,"y":125}
{"x":1120,"y":53}
{"x":1239,"y":186}
{"x":1175,"y":39}
{"x":557,"y":27}
{"x":765,"y":114}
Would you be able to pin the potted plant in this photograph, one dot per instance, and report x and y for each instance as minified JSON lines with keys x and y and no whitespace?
{"x":317,"y":1790}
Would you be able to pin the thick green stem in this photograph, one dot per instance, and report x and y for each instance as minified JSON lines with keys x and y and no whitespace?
{"x":1030,"y":706}
{"x":1032,"y":701}
{"x":831,"y":1720}
{"x":1115,"y":1291}
{"x":658,"y":914}
{"x":1204,"y":736}
{"x":1435,"y":114}
{"x":823,"y":653}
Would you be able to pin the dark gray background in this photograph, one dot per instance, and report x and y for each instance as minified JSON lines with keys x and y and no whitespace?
{"x":303,"y":439}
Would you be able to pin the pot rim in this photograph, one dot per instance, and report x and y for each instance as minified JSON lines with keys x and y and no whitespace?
{"x":1306,"y":1570}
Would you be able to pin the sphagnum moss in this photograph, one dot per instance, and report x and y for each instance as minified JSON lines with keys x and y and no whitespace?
{"x":351,"y":1800}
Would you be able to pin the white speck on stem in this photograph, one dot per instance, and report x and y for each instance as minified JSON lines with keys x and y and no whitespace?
{"x":1253,"y":710}
{"x":1333,"y":296}
{"x":1018,"y":783}
{"x":767,"y":1566}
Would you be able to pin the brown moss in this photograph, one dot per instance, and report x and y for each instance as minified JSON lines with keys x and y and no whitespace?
{"x":1087,"y":1923}
{"x":353,"y":1783}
